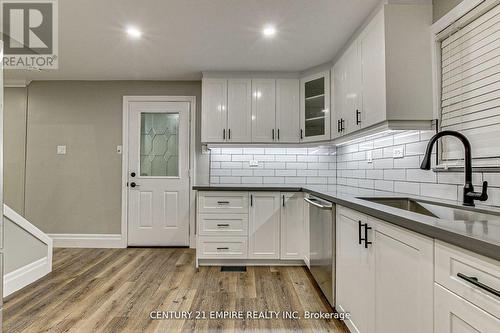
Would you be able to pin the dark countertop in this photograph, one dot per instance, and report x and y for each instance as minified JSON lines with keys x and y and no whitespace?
{"x":482,"y":237}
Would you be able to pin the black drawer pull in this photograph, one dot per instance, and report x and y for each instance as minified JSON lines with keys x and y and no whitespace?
{"x":223,"y":202}
{"x":358,"y":117}
{"x":475,"y":281}
{"x":222,"y":224}
{"x":222,"y":248}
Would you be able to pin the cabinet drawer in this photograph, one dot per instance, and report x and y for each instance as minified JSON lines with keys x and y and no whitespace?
{"x":223,"y":224}
{"x":453,"y":314}
{"x":222,"y":247}
{"x":454,"y":265}
{"x":223,"y":202}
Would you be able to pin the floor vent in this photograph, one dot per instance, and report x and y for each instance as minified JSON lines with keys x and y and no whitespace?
{"x":233,"y":269}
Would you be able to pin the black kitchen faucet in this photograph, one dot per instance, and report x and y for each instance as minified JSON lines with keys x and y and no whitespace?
{"x":469,"y":194}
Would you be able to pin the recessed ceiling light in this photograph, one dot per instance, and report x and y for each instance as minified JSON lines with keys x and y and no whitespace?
{"x":269,"y":31}
{"x":133,"y":32}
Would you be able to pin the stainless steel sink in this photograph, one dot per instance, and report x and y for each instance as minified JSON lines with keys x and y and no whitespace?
{"x":436,"y":209}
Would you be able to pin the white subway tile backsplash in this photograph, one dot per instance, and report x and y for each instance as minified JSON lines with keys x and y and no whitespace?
{"x":230,"y":180}
{"x":285,"y":158}
{"x":263,"y":158}
{"x":231,"y":165}
{"x":230,"y":151}
{"x":274,"y":180}
{"x":274,"y":165}
{"x":307,"y":158}
{"x":407,"y":187}
{"x":295,"y":180}
{"x":297,"y":165}
{"x":253,"y":151}
{"x":423,"y":176}
{"x":384,"y":185}
{"x":395,"y":174}
{"x":251,"y":180}
{"x":241,"y":158}
{"x":385,"y":163}
{"x":442,"y":191}
{"x":263,"y":173}
{"x":241,"y":172}
{"x":347,"y":166}
{"x":407,"y":162}
{"x":285,"y":172}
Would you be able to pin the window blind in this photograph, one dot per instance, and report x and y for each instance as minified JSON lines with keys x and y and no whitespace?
{"x":470,"y":83}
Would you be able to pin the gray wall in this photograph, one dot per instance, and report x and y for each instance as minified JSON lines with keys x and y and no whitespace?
{"x":441,"y":7}
{"x":20,"y":247}
{"x":80,"y":192}
{"x":14,"y":147}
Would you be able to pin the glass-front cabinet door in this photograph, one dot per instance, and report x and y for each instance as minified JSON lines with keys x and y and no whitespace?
{"x":315,"y":107}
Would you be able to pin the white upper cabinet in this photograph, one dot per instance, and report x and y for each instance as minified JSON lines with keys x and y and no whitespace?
{"x":372,"y":78}
{"x":347,"y":92}
{"x":315,"y":107}
{"x":287,"y":110}
{"x":214,"y":115}
{"x":385,"y":73}
{"x":263,"y":110}
{"x":239,"y":110}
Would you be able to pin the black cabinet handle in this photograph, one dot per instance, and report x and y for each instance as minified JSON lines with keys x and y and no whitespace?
{"x":301,"y":134}
{"x":358,"y":117}
{"x":360,"y":226}
{"x":283,"y":200}
{"x":342,"y":124}
{"x":224,"y":134}
{"x":229,"y":134}
{"x":223,"y":202}
{"x":475,"y":281}
{"x":223,"y":224}
{"x":222,"y":248}
{"x":278,"y":133}
{"x":251,"y":200}
{"x":365,"y":238}
{"x":272,"y":131}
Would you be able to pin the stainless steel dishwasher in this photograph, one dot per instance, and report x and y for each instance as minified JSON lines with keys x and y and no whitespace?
{"x":322,"y":244}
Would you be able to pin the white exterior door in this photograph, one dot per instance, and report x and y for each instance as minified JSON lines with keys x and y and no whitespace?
{"x":158,"y":174}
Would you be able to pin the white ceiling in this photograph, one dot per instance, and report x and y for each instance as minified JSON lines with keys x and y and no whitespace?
{"x":182,"y":38}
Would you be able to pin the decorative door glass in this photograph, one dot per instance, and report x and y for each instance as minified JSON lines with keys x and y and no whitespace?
{"x":315,"y":107}
{"x":159,"y":145}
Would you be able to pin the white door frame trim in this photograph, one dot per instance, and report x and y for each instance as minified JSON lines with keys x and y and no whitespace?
{"x":192,"y":164}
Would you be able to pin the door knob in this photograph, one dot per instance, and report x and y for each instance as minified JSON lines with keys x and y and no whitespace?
{"x":133,"y":184}
{"x":132,"y":174}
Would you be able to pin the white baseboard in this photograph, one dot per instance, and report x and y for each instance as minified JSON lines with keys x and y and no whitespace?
{"x":25,"y":275}
{"x":88,"y":240}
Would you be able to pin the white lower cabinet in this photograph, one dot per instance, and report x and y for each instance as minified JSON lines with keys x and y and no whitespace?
{"x":264,"y":225}
{"x":384,"y":275}
{"x":355,"y":271}
{"x":292,"y":226}
{"x":250,"y":225}
{"x":453,"y":314}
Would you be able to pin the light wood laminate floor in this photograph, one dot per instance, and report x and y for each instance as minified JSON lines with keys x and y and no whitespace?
{"x":114,"y":290}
